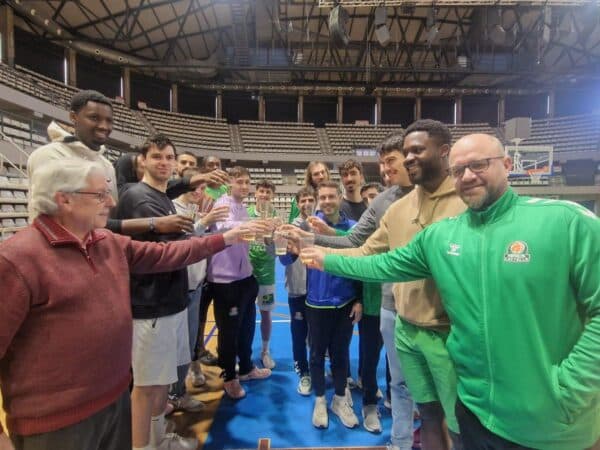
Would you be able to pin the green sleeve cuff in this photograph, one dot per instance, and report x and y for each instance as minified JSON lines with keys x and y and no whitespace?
{"x":341,"y":232}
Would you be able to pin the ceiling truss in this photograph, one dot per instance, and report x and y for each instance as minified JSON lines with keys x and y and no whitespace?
{"x":546,"y":41}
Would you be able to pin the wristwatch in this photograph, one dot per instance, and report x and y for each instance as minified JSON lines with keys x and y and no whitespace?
{"x":151,"y":226}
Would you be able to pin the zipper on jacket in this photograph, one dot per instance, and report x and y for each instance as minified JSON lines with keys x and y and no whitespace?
{"x":484,"y":288}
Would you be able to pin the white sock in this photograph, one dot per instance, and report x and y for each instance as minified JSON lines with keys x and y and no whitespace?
{"x":158,"y":425}
{"x":265,"y":346}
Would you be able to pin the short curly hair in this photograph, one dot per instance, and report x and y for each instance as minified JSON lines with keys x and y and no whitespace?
{"x":435,"y":129}
{"x":81,"y":98}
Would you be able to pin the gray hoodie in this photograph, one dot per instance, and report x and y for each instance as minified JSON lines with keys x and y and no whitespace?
{"x":64,"y":145}
{"x":368,"y":223}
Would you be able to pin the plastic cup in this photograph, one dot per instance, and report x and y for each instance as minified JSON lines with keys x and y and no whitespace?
{"x":306,"y":242}
{"x":192,"y":211}
{"x":248,"y":234}
{"x":280,"y":242}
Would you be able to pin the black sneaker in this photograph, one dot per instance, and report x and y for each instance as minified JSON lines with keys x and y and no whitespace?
{"x":207,"y":358}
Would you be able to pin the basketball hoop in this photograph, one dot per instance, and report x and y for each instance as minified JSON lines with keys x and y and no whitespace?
{"x":535,"y":177}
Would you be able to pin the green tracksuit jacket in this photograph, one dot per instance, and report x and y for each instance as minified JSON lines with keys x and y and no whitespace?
{"x":521,"y":284}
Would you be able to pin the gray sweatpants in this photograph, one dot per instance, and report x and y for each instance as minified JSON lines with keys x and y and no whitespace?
{"x":108,"y":429}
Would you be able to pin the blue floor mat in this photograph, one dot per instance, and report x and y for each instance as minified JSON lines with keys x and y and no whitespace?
{"x":273,"y":409}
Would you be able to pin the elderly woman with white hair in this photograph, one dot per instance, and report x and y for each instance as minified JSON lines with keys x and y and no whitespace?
{"x":65,"y":313}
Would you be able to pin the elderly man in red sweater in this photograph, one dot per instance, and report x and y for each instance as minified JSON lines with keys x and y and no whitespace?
{"x":65,"y":313}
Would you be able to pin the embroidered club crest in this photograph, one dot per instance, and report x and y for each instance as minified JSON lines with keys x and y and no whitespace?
{"x":453,"y":249}
{"x":517,"y":252}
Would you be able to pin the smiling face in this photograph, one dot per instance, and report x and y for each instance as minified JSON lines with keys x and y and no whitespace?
{"x":185,"y":161}
{"x":306,"y":205}
{"x":480,"y":190}
{"x":329,"y":201}
{"x":318,"y":173}
{"x":369,"y":194}
{"x":88,"y":208}
{"x":240,"y":187}
{"x":212,"y":163}
{"x":93,"y":123}
{"x":392,"y":167}
{"x":352,"y":179}
{"x":159,"y":163}
{"x":195,"y":196}
{"x":264,"y":194}
{"x":423,"y":157}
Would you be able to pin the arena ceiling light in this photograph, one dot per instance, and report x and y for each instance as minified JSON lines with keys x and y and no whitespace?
{"x":432,"y":27}
{"x":338,"y":23}
{"x":381,"y":30}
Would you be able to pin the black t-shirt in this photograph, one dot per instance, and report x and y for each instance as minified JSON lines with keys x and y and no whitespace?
{"x":158,"y":294}
{"x":353,"y":210}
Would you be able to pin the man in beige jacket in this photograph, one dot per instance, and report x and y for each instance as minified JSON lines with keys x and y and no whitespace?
{"x":422,"y":324}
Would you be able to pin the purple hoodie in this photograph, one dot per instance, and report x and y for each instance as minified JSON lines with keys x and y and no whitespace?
{"x":231,"y":264}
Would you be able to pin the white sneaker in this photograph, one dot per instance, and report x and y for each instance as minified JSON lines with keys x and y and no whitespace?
{"x":379,"y":394}
{"x":320,"y":418}
{"x":343,"y":410}
{"x":305,"y":385}
{"x":266,"y":359}
{"x":349,"y":397}
{"x":371,"y":420}
{"x":195,"y":374}
{"x":173,"y":441}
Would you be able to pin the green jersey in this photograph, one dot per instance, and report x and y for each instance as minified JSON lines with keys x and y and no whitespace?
{"x":215,"y":194}
{"x":294,"y":211}
{"x":371,"y":298}
{"x":521,"y":284}
{"x":263,"y":263}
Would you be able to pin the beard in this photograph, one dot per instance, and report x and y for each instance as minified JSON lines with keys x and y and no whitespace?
{"x":483,"y":201}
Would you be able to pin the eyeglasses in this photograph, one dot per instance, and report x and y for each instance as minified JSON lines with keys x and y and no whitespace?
{"x":478,"y":166}
{"x":100,"y":196}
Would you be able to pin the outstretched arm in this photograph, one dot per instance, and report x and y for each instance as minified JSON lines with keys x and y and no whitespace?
{"x":377,"y":242}
{"x":402,"y":264}
{"x":355,"y":237}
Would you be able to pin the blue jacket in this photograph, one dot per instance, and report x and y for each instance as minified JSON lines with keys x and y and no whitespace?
{"x":325,"y":290}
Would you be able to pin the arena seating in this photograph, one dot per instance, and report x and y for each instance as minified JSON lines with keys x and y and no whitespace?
{"x":279,"y":137}
{"x":261,"y":173}
{"x":58,"y":94}
{"x":460,"y":130}
{"x":23,"y":132}
{"x":13,"y":202}
{"x":567,"y":134}
{"x":190,"y":131}
{"x":345,"y":139}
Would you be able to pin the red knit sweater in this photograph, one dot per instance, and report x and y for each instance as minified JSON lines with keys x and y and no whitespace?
{"x":65,"y":319}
